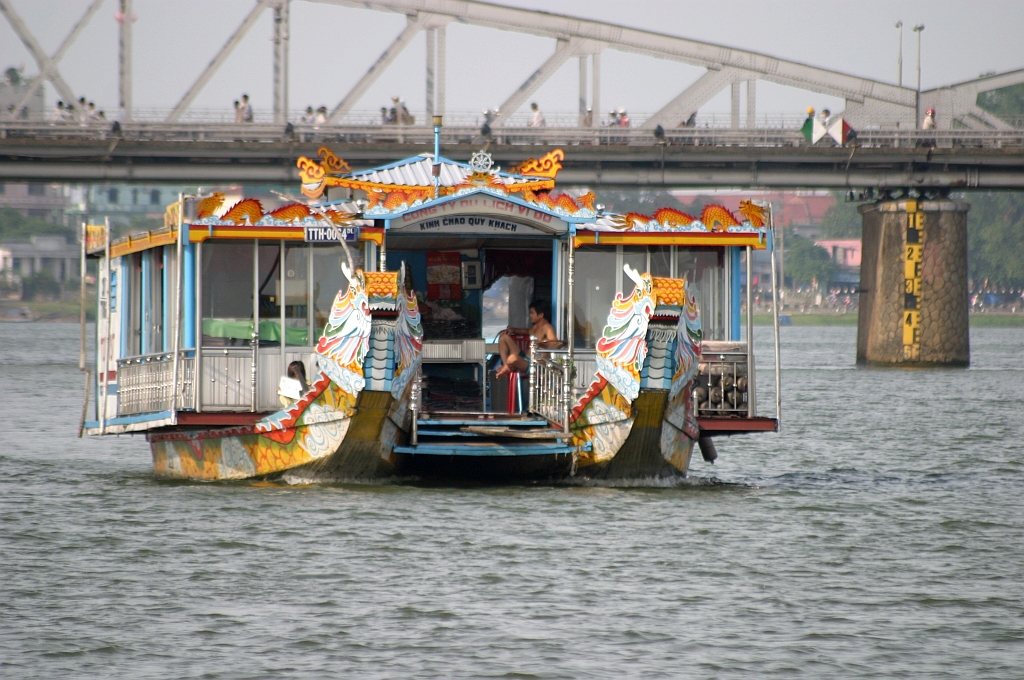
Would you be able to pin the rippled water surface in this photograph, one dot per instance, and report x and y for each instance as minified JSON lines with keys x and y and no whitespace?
{"x":881,"y":534}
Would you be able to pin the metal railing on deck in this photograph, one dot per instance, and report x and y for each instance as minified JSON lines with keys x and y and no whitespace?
{"x":723,"y":384}
{"x":145,"y":384}
{"x":549,"y":378}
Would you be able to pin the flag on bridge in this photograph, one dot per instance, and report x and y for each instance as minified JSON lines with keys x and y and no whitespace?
{"x":839,"y":130}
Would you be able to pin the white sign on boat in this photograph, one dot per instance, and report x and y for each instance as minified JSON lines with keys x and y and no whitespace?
{"x":330,"y":234}
{"x":479,"y":215}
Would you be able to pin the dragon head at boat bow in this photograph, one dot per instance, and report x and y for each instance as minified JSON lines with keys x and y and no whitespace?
{"x":623,"y":346}
{"x":346,"y":339}
{"x":408,"y":338}
{"x":688,"y":337}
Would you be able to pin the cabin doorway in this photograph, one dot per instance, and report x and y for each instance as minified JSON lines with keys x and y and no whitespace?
{"x":469,"y":290}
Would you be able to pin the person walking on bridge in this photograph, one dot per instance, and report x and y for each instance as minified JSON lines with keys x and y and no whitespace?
{"x":929,"y":120}
{"x":538,"y":118}
{"x":245,"y":110}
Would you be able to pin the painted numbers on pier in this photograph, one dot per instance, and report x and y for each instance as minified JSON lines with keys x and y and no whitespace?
{"x":913,"y":254}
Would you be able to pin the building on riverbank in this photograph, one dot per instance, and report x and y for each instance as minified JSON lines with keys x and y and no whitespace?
{"x":56,"y":203}
{"x":50,"y":254}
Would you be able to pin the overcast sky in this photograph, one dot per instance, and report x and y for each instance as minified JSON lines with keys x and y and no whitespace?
{"x":331,"y":48}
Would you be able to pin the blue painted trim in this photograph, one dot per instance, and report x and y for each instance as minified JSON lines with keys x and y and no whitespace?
{"x":167,"y":301}
{"x":188,"y":292}
{"x":734,"y":293}
{"x":131,"y":420}
{"x":495,"y":450}
{"x":145,"y":313}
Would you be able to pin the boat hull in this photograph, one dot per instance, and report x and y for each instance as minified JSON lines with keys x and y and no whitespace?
{"x":652,"y":448}
{"x":483,"y":468}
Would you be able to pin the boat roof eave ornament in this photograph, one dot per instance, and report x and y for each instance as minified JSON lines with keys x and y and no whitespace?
{"x":716,"y":226}
{"x":426,"y":174}
{"x":570,"y":213}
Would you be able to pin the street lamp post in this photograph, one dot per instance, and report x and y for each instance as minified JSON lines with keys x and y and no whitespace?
{"x":899,"y":59}
{"x":917,"y":100}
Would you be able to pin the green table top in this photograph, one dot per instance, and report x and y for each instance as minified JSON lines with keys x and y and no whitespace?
{"x":270,"y":331}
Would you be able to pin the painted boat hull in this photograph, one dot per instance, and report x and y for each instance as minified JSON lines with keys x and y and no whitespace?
{"x":362,"y":448}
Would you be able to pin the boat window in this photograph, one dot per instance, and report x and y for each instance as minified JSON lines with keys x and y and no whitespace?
{"x":134,"y":320}
{"x":596,"y":274}
{"x":495,"y":308}
{"x":635,"y":257}
{"x":269,"y":278}
{"x":661,"y":261}
{"x":705,"y":271}
{"x":328,"y":279}
{"x":227,"y":276}
{"x":152,"y":330}
{"x":296,"y":294}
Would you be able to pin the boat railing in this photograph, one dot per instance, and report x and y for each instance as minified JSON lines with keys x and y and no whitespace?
{"x":550,"y":376}
{"x":584,"y":366}
{"x":724,"y":383}
{"x":145,"y":384}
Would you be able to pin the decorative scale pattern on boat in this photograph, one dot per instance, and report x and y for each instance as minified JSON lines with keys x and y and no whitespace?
{"x":379,"y":367}
{"x":659,"y":365}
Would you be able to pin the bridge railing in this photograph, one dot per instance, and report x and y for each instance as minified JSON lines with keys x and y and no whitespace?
{"x":507,"y":135}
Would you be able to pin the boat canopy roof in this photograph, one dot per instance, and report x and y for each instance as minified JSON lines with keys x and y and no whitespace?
{"x":408,"y":197}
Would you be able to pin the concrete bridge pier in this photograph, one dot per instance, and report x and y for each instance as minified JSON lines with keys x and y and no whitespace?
{"x":914,"y":298}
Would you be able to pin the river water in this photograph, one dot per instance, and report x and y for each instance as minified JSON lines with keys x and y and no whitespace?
{"x":881,"y":534}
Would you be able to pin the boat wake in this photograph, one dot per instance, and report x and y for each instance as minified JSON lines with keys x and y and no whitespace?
{"x":305,"y":478}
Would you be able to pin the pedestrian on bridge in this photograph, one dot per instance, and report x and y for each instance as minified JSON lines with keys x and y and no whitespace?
{"x":808,"y":127}
{"x":538,"y":118}
{"x":929,"y":120}
{"x":246,"y":109}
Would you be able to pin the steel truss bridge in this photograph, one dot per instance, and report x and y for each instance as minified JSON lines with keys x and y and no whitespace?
{"x":971,"y":147}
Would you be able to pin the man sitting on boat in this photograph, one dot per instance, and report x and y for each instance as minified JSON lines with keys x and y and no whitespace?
{"x":512,"y":358}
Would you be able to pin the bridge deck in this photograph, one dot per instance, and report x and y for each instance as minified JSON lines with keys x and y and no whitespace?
{"x":153,"y":152}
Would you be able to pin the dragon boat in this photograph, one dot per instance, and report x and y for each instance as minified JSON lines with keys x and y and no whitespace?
{"x":387,"y":286}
